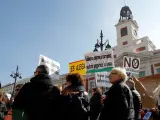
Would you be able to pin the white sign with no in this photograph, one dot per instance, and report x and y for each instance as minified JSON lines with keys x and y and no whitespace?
{"x":131,"y":64}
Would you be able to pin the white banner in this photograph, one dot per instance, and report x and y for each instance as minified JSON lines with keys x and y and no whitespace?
{"x":91,"y":84}
{"x":54,"y":67}
{"x":131,"y":62}
{"x":102,"y":79}
{"x":99,"y":61}
{"x":132,"y":65}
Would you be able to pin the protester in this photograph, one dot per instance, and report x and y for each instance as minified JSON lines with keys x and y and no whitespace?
{"x":74,"y":101}
{"x":36,"y":98}
{"x":18,"y":88}
{"x":136,"y":99}
{"x":119,"y":103}
{"x":95,"y":103}
{"x":3,"y":108}
{"x":155,"y":114}
{"x":6,"y":99}
{"x":105,"y":96}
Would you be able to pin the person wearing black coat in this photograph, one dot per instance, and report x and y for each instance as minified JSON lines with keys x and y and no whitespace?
{"x":3,"y":107}
{"x":119,"y":102}
{"x":72,"y":107}
{"x":136,"y":99}
{"x":95,"y":103}
{"x":38,"y":99}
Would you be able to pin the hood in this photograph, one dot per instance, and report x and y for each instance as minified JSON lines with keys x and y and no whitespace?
{"x":42,"y":80}
{"x":97,"y":94}
{"x":72,"y":89}
{"x":76,"y":88}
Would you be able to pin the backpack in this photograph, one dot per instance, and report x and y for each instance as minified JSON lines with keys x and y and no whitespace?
{"x":78,"y":106}
{"x":129,"y":101}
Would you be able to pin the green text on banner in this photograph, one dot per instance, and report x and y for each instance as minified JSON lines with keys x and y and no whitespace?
{"x":99,"y":61}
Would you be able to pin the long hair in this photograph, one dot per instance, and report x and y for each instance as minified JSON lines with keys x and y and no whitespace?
{"x":75,"y":79}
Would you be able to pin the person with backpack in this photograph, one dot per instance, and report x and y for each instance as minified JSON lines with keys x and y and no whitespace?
{"x":136,"y":99}
{"x":36,"y":99}
{"x":119,"y":103}
{"x":74,"y":99}
{"x":3,"y":107}
{"x":18,"y":88}
{"x":95,"y":103}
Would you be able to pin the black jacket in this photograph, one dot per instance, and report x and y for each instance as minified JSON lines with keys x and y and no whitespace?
{"x":37,"y":98}
{"x":119,"y":103}
{"x":137,"y":104}
{"x":3,"y":110}
{"x":95,"y":106}
{"x":70,"y":111}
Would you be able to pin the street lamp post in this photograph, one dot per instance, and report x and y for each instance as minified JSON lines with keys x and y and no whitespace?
{"x":101,"y":44}
{"x":15,"y":76}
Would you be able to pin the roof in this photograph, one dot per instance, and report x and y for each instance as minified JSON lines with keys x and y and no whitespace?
{"x":7,"y":85}
{"x":155,"y":76}
{"x":142,"y":56}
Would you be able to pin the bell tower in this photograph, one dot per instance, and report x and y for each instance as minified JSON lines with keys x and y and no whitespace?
{"x":127,"y":28}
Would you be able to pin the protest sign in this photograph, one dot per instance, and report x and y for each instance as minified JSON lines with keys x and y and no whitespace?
{"x":77,"y":67}
{"x":53,"y":66}
{"x":102,"y":79}
{"x":99,"y":61}
{"x":91,"y":84}
{"x":132,"y":65}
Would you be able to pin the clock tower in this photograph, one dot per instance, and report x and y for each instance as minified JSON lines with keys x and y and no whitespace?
{"x":127,"y":29}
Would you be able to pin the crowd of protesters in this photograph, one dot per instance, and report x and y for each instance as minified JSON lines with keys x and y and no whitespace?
{"x":41,"y":100}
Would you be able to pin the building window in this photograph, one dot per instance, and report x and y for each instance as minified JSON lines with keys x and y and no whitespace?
{"x":157,"y":65}
{"x":141,"y":73}
{"x":125,"y":43}
{"x":140,"y":49}
{"x":124,"y":31}
{"x":158,"y":70}
{"x":115,"y":56}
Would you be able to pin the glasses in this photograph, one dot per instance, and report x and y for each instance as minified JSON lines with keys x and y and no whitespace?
{"x":113,"y":73}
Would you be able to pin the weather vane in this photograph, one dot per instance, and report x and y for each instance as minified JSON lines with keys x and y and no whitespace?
{"x":124,"y":2}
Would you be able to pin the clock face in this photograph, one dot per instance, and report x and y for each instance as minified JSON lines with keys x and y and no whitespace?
{"x":124,"y":31}
{"x":135,"y":32}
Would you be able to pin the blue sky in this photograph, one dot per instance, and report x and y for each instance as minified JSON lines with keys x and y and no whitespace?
{"x":64,"y":29}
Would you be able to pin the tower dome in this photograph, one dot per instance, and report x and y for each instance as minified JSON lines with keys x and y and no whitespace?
{"x":125,"y":13}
